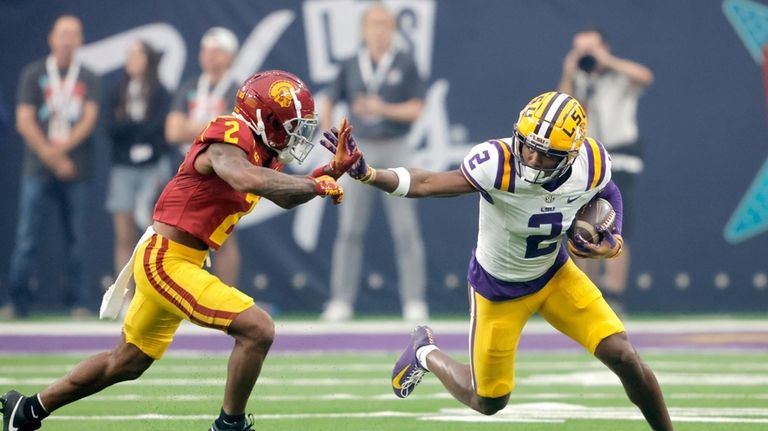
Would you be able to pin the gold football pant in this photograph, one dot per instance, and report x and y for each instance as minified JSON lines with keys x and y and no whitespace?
{"x":171,"y":286}
{"x":569,"y":301}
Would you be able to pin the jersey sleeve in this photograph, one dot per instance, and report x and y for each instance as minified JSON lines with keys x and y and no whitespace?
{"x":228,"y":130}
{"x":598,"y":165}
{"x":489,"y":166}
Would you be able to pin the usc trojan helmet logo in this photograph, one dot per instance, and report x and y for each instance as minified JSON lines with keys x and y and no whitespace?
{"x":280,"y":110}
{"x":280,"y":92}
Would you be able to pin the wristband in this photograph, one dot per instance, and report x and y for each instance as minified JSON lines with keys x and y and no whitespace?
{"x":403,"y":182}
{"x":369,"y":177}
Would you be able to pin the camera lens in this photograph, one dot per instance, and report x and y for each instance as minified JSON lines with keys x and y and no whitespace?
{"x":587,"y":63}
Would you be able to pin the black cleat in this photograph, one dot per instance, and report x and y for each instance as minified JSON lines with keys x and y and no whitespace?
{"x":13,"y":415}
{"x":244,"y":425}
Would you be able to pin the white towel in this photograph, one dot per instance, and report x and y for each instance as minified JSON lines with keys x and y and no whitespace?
{"x":112,"y":301}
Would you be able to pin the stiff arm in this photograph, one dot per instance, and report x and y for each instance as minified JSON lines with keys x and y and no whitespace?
{"x":425,"y":183}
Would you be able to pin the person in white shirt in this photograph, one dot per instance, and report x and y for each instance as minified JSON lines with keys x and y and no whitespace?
{"x":197,"y":101}
{"x":609,"y":87}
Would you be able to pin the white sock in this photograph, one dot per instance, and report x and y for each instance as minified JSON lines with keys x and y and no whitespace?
{"x":422,"y":352}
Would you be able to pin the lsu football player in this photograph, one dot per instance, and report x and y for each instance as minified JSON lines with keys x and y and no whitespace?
{"x":234,"y":162}
{"x":531,"y":185}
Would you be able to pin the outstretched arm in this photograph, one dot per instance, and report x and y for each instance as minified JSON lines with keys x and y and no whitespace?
{"x":404,"y":182}
{"x":423,"y":183}
{"x":230,"y":164}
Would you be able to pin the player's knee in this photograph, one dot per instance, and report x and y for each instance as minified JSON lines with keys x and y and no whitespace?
{"x":129,"y":364}
{"x":257,"y":330}
{"x":620,"y":357}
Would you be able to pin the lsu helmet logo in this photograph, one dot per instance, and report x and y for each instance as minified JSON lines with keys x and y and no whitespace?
{"x":552,"y":123}
{"x":280,"y":92}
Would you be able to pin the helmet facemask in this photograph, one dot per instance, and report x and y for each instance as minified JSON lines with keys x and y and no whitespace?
{"x":298,"y":143}
{"x":538,"y":175}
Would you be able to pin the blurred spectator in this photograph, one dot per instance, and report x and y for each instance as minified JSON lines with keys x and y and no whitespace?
{"x":385,"y":93}
{"x":56,"y":111}
{"x":194,"y":104}
{"x":609,"y":87}
{"x":140,"y":165}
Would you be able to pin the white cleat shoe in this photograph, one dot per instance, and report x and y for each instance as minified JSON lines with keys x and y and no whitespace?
{"x":337,"y":311}
{"x":415,"y":312}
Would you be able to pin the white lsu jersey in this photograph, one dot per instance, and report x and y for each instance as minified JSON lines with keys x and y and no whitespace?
{"x":521,"y":225}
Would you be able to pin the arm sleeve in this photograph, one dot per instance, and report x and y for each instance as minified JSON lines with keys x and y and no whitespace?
{"x":416,"y":86}
{"x":612,"y":194}
{"x":154,"y":121}
{"x":26,"y":88}
{"x":336,"y":89}
{"x":229,"y":130}
{"x":179,"y":102}
{"x":93,"y":82}
{"x":480,"y":166}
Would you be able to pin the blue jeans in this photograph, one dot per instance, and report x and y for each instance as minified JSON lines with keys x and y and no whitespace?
{"x":70,"y":198}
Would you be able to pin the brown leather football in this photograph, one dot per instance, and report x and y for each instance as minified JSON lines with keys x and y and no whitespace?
{"x":597,"y":212}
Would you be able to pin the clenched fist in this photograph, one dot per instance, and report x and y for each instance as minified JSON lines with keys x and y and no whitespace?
{"x":325,"y":185}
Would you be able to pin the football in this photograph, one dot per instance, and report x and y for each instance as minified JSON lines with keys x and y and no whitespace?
{"x":597,"y":212}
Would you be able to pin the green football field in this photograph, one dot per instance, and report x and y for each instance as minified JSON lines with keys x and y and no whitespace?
{"x":555,"y":391}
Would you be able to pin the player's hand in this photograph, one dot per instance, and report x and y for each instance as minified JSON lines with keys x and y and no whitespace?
{"x":609,"y":247}
{"x":360,"y":169}
{"x":325,"y":185}
{"x":343,"y":156}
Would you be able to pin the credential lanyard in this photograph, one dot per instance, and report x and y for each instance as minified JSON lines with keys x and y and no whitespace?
{"x":205,"y":97}
{"x":61,"y":93}
{"x":374,"y":77}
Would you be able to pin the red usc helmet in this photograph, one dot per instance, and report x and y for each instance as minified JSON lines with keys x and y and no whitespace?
{"x":280,"y":110}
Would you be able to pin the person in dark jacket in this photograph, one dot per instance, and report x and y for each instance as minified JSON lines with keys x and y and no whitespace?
{"x":140,"y":166}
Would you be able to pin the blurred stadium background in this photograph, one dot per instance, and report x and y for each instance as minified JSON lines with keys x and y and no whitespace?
{"x":701,"y":209}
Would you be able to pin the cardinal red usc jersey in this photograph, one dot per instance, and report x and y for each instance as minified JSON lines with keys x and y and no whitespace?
{"x":205,"y":205}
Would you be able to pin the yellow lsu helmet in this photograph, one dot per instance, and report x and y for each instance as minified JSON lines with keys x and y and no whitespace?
{"x":554,"y":124}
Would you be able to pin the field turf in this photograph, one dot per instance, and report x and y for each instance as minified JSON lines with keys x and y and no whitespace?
{"x":565,"y":390}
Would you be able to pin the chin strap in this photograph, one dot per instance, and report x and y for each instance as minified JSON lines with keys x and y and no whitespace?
{"x":261,"y":129}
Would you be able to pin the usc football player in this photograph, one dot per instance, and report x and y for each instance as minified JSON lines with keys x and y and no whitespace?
{"x":235,"y":161}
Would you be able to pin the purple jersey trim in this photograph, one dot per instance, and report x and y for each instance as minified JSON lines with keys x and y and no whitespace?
{"x":500,"y":166}
{"x":591,"y":158}
{"x":612,"y":194}
{"x":473,"y":302}
{"x":496,"y":290}
{"x":512,"y":172}
{"x":475,"y":184}
{"x":591,"y":164}
{"x":602,"y":161}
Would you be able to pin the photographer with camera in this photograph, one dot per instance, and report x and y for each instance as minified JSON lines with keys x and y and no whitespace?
{"x":609,"y":88}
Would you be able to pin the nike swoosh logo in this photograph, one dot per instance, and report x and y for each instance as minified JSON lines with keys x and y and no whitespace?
{"x":396,"y":379}
{"x":13,"y":415}
{"x":573,"y":199}
{"x":33,"y":412}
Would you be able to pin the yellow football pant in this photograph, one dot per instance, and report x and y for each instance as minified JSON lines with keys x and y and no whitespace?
{"x":569,"y":301}
{"x":171,"y":286}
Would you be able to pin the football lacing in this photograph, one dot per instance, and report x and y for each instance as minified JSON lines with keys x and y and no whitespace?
{"x":412,"y":379}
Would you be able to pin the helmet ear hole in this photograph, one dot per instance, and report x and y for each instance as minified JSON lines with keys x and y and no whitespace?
{"x":276,"y":125}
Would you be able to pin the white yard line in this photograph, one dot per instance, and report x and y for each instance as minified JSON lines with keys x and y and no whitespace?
{"x":535,"y":326}
{"x":585,"y":379}
{"x":526,"y":412}
{"x":516,"y":398}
